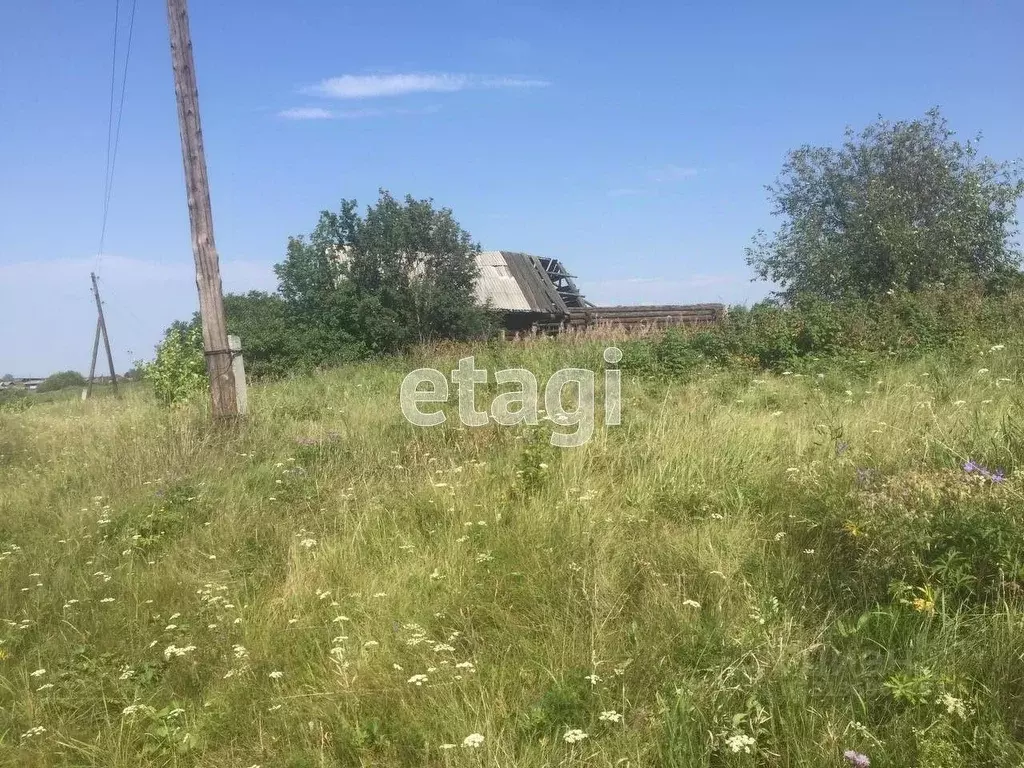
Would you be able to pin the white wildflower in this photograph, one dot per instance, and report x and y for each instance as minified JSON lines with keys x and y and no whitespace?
{"x":953,"y":705}
{"x":173,"y":650}
{"x":473,"y":741}
{"x":740,"y":742}
{"x":610,"y":716}
{"x":574,"y":735}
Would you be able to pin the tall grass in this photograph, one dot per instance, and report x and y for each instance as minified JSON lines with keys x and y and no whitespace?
{"x":748,"y":571}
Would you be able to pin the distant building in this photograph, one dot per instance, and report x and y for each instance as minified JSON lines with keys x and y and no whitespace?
{"x":538,"y":293}
{"x":22,"y":383}
{"x":535,"y":292}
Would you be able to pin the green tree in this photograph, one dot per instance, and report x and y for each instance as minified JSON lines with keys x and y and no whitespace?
{"x":900,"y":206}
{"x":404,"y":273}
{"x":62,"y":380}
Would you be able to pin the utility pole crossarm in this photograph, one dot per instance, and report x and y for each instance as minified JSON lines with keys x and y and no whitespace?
{"x":200,"y":212}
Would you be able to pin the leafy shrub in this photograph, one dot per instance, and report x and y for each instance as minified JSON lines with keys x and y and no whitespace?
{"x":675,"y":355}
{"x":62,"y":380}
{"x":14,"y":400}
{"x":811,"y":333}
{"x":178,"y":372}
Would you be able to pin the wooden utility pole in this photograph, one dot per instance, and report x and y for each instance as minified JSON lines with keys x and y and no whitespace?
{"x":101,"y":330}
{"x":211,"y":299}
{"x":92,"y":365}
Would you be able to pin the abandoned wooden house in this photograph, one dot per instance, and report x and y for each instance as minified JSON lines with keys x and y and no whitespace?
{"x":538,"y":293}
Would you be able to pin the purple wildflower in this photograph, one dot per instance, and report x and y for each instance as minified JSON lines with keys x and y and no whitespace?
{"x":995,"y":477}
{"x":857,"y":759}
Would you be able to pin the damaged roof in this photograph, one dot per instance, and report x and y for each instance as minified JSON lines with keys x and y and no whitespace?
{"x":517,"y":282}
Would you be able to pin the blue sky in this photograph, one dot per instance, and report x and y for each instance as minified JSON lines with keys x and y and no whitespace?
{"x":631,"y":140}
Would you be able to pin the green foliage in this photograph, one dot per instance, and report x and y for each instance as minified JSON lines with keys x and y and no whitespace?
{"x":166,"y":733}
{"x":534,"y":463}
{"x":14,"y":399}
{"x":178,"y":373}
{"x":276,"y":343}
{"x":57,"y":381}
{"x":811,"y":332}
{"x":675,"y":355}
{"x":563,"y":705}
{"x":404,"y":273}
{"x":900,"y":206}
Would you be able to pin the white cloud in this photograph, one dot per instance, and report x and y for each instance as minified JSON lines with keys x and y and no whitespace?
{"x":670,"y":172}
{"x":319,"y":113}
{"x":306,"y":113}
{"x":373,"y":86}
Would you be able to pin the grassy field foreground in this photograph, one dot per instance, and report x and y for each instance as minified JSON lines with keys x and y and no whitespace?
{"x":753,"y":569}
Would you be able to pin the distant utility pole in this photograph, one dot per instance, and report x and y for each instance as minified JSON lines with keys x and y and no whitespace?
{"x":101,"y":330}
{"x":211,"y":299}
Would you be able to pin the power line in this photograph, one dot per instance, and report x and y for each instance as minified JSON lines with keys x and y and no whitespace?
{"x":110,"y":130}
{"x":114,"y":133}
